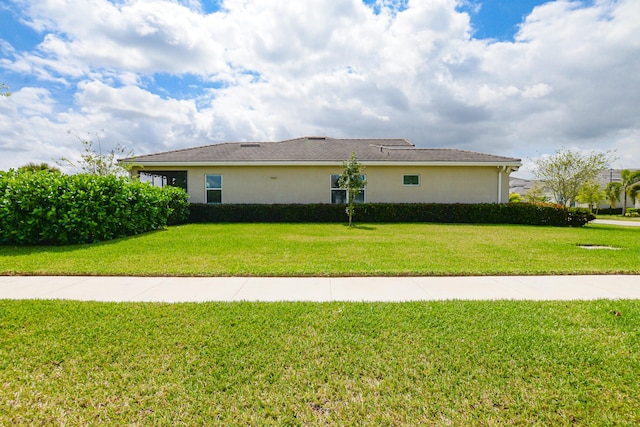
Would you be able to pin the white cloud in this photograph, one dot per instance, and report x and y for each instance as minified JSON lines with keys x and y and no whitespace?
{"x":146,"y":36}
{"x":131,"y":102}
{"x":270,"y":69}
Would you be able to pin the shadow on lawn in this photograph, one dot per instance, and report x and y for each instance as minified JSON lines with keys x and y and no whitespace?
{"x":13,"y":250}
{"x":362,"y":227}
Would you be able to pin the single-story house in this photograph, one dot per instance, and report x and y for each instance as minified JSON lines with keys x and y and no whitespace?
{"x":305,"y":170}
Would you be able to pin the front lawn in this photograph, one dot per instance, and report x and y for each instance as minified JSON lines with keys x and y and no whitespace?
{"x":336,"y":250}
{"x":289,"y":364}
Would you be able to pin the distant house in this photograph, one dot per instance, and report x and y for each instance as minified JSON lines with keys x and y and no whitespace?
{"x":520,"y":185}
{"x":614,"y":175}
{"x":305,"y":170}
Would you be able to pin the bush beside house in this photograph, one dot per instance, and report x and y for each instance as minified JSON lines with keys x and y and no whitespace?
{"x":488,"y":213}
{"x":56,"y":209}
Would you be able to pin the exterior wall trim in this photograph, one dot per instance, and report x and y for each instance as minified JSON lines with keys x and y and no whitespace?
{"x":513,"y":165}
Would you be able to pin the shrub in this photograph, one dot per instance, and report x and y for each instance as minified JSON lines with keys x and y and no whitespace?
{"x":489,"y":213}
{"x":178,"y":201}
{"x":632,"y":212}
{"x":579,"y":217}
{"x":45,"y":208}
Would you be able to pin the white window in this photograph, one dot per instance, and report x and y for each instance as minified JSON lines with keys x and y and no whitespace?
{"x":213,"y":186}
{"x":411,"y":180}
{"x":341,"y":196}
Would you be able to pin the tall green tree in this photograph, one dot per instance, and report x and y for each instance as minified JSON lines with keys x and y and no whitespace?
{"x":352,"y":180}
{"x":612,"y":192}
{"x":566,"y":172}
{"x":536,"y":194}
{"x":591,"y":194}
{"x":630,"y":185}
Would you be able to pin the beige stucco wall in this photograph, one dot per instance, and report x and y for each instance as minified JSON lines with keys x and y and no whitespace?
{"x":311,"y":184}
{"x":437,"y":185}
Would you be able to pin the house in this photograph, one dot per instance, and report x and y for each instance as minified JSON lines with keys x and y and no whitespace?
{"x":614,"y":175}
{"x":305,"y":170}
{"x":520,"y":186}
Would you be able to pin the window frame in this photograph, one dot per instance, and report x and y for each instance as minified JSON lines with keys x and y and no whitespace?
{"x":168,"y":178}
{"x":404,"y":184}
{"x":207,"y":189}
{"x":333,"y":178}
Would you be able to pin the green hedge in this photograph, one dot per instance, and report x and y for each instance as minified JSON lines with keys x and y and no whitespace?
{"x":488,"y":213}
{"x":56,"y":209}
{"x":610,"y":211}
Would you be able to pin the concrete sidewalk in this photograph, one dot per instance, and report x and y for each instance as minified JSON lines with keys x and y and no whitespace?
{"x":320,"y":289}
{"x":616,"y":222}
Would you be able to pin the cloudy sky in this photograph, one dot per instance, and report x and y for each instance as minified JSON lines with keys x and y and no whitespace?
{"x":517,"y":78}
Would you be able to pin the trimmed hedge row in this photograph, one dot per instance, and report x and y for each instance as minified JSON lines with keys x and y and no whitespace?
{"x":51,"y":208}
{"x":488,"y":213}
{"x":610,"y":211}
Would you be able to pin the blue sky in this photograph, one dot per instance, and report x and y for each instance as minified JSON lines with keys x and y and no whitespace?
{"x":499,"y":19}
{"x":518,"y":78}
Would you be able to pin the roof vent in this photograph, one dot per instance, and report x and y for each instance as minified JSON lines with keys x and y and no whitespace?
{"x":250,"y":144}
{"x":317,"y":138}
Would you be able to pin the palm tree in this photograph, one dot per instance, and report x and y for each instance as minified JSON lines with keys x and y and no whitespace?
{"x":612,"y":190}
{"x":36,"y":167}
{"x":630,"y":183}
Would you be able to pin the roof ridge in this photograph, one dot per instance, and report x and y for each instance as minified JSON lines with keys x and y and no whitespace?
{"x":179,"y":150}
{"x":466,"y":151}
{"x":321,"y":137}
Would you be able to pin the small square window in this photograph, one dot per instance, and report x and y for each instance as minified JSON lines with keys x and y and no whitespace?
{"x":412,"y":180}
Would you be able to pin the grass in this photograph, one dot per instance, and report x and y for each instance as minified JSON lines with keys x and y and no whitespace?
{"x":234,"y":364}
{"x":431,"y":363}
{"x":336,"y":250}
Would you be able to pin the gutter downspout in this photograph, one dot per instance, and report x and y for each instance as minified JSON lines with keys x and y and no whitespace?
{"x":500,"y":170}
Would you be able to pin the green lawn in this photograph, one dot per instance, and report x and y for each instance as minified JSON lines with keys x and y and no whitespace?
{"x":352,"y":364}
{"x":288,"y":364}
{"x":335,"y":250}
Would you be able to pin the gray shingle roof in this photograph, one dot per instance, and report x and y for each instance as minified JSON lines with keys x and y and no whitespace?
{"x":318,"y":149}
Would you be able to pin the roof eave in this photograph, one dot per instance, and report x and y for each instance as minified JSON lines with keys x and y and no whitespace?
{"x":506,"y":163}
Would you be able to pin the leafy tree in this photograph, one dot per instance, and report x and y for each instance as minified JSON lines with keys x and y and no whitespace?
{"x":515,"y":198}
{"x":37,"y":167}
{"x":566,"y":172}
{"x":96,"y":163}
{"x":630,"y":185}
{"x":4,"y":90}
{"x":591,"y":194}
{"x":612,"y":192}
{"x":536,"y":194}
{"x":351,"y":179}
